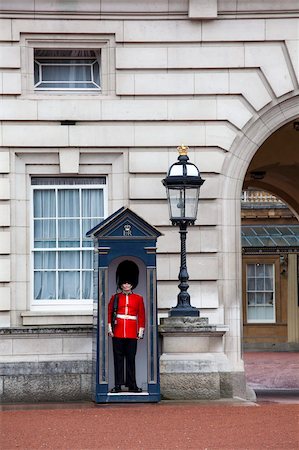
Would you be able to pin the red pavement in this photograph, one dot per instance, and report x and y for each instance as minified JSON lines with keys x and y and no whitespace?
{"x":272,"y":370}
{"x":168,"y":425}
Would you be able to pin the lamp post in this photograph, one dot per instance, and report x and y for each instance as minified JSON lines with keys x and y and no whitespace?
{"x":183,"y":183}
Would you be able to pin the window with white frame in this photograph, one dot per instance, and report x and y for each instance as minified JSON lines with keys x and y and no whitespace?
{"x":67,"y":69}
{"x":260,"y":293}
{"x":64,"y":209}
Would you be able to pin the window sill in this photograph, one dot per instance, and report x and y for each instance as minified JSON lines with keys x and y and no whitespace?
{"x":48,"y":318}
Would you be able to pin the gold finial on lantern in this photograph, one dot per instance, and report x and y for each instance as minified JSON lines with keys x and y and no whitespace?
{"x":183,"y":150}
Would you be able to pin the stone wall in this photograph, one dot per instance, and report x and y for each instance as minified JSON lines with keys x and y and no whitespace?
{"x":217,"y":76}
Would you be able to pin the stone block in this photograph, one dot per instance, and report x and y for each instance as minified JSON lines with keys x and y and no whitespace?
{"x":38,"y":388}
{"x":163,"y":84}
{"x":4,"y":215}
{"x":4,"y":319}
{"x":4,"y":162}
{"x":293,"y":49}
{"x":35,"y":136}
{"x":162,"y":31}
{"x":4,"y":269}
{"x":141,"y":58}
{"x":211,"y":82}
{"x":11,"y":83}
{"x":69,"y":160}
{"x":146,"y":188}
{"x":233,"y":30}
{"x":77,"y":345}
{"x":39,"y":346}
{"x":26,"y":5}
{"x":270,"y":58}
{"x":281,"y":29}
{"x":190,"y":386}
{"x":5,"y":29}
{"x":68,"y":109}
{"x":210,"y":160}
{"x":102,"y":136}
{"x":135,"y":6}
{"x":189,"y":109}
{"x":199,"y":267}
{"x":4,"y":242}
{"x":207,"y":213}
{"x":235,"y":110}
{"x":10,"y":57}
{"x":86,"y":386}
{"x":4,"y":298}
{"x":202,"y":9}
{"x":125,"y":83}
{"x":170,"y":135}
{"x":18,"y":109}
{"x":155,"y":214}
{"x":4,"y":189}
{"x":149,"y":161}
{"x":134,"y":110}
{"x":219,"y":136}
{"x":5,"y":347}
{"x":251,"y":86}
{"x":189,"y":344}
{"x":206,"y":57}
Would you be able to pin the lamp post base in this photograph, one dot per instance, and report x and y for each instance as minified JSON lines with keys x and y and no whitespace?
{"x":184,"y":311}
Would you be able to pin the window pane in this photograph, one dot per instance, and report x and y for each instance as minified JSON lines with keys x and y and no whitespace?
{"x":68,"y":203}
{"x":92,"y":203}
{"x":44,"y":204}
{"x":69,"y":233}
{"x":66,"y":72}
{"x":260,"y":293}
{"x":87,"y":285}
{"x":44,"y":285}
{"x":69,"y":285}
{"x":251,"y":299}
{"x":269,"y":298}
{"x":250,"y":270}
{"x":268,"y":284}
{"x":251,"y":284}
{"x":260,"y":270}
{"x":44,"y":233}
{"x":62,"y":274}
{"x":69,"y":260}
{"x":260,"y":284}
{"x":87,"y":259}
{"x":45,"y":260}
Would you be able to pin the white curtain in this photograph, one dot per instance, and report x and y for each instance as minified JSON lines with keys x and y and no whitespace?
{"x":60,"y":273}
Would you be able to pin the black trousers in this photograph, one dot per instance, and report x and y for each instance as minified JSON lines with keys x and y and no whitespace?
{"x":124,"y":350}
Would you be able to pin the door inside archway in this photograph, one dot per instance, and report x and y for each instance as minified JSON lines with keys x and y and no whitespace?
{"x":270,"y":243}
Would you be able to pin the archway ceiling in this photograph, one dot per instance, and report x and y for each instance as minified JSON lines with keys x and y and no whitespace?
{"x":278,"y":158}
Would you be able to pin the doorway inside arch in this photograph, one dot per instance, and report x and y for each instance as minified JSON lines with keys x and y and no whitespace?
{"x":270,"y":262}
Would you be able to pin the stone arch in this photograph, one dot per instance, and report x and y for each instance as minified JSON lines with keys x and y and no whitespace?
{"x":235,"y":167}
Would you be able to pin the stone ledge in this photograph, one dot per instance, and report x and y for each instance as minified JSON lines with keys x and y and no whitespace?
{"x":69,"y":330}
{"x":182,"y":325}
{"x":45,"y":368}
{"x":49,"y":318}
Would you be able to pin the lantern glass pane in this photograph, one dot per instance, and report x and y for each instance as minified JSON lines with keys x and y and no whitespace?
{"x":183,"y":202}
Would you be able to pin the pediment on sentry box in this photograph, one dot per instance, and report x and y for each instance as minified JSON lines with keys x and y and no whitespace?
{"x":124,"y":223}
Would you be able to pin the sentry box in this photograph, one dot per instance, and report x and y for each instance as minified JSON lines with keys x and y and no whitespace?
{"x":125,"y":241}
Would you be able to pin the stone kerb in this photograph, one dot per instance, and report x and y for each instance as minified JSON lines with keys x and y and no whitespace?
{"x":193,"y":364}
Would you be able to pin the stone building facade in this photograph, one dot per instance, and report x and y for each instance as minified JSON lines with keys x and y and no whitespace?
{"x":95,"y":98}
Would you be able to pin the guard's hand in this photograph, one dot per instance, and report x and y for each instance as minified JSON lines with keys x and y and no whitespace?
{"x":110,"y":334}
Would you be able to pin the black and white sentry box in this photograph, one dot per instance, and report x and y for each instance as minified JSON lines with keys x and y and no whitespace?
{"x":122,"y":238}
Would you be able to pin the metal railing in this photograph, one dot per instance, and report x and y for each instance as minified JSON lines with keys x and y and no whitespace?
{"x":260,"y":197}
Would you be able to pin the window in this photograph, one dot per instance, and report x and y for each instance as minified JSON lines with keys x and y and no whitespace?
{"x":260,"y":292}
{"x":66,"y":69}
{"x":64,"y":209}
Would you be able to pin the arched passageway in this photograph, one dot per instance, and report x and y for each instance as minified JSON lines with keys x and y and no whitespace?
{"x":268,"y":160}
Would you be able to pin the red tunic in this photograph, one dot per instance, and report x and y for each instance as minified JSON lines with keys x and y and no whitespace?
{"x":130,"y":318}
